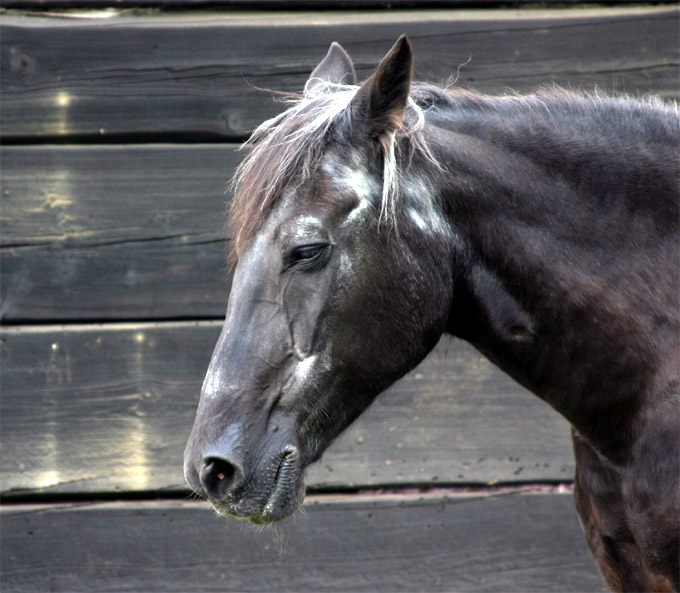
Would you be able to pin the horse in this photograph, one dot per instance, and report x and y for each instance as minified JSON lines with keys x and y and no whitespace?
{"x":370,"y":219}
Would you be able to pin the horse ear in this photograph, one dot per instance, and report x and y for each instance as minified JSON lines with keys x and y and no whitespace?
{"x":336,"y":68}
{"x":381,"y":101}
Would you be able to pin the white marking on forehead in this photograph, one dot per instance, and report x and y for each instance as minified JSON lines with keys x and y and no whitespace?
{"x":359,"y":211}
{"x":305,"y":224}
{"x":301,"y":226}
{"x":358,"y":181}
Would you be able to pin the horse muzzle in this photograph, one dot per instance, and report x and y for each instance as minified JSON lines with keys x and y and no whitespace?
{"x":269,"y":490}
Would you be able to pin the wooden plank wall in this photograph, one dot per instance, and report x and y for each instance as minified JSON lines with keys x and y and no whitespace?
{"x":120,"y":128}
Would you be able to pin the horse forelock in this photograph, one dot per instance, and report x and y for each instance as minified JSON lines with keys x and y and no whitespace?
{"x":284,"y":152}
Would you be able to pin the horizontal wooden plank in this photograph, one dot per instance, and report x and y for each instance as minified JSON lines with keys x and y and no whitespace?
{"x":199,"y":75}
{"x":522,"y":542}
{"x":277,"y":4}
{"x":109,"y":408}
{"x":114,"y":232}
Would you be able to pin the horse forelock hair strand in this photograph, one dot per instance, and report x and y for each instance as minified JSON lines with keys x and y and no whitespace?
{"x":285,"y":150}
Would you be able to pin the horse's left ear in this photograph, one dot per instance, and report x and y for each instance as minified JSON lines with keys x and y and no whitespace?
{"x":336,"y":68}
{"x":380,"y":102}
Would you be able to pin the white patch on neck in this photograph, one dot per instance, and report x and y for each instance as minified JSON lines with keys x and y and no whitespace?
{"x":415,"y":216}
{"x":421,"y":207}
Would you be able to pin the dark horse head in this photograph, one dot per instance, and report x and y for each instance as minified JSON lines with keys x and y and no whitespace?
{"x":370,"y":219}
{"x":332,"y":299}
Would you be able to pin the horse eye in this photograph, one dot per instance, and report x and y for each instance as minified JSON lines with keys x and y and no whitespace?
{"x":308,"y":255}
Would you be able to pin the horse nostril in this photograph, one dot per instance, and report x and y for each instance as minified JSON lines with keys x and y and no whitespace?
{"x":220,"y":477}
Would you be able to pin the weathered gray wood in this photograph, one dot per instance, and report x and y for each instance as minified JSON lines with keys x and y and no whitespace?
{"x":521,"y":542}
{"x":198,"y":75}
{"x":109,"y":408}
{"x":114,"y":232}
{"x":273,"y":4}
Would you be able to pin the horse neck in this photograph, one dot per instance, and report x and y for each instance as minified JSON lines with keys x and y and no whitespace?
{"x":550,"y":261}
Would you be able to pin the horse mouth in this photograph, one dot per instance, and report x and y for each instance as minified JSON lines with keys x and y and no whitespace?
{"x":284,"y":493}
{"x":287,"y":492}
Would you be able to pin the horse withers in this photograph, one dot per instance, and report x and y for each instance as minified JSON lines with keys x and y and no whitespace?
{"x":368,"y":220}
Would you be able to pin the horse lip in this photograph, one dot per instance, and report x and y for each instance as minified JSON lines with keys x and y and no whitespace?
{"x":288,"y":460}
{"x":283,"y":498}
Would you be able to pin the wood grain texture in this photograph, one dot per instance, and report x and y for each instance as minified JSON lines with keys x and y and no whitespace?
{"x":275,"y":4}
{"x":405,"y":543}
{"x":109,"y":408}
{"x":193,"y":75}
{"x":114,"y":232}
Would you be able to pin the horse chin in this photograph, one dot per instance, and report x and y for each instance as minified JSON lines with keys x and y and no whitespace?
{"x":282,"y":504}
